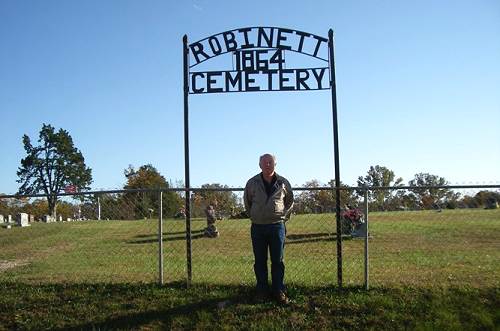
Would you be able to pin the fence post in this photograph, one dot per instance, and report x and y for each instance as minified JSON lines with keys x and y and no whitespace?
{"x":366,"y":238}
{"x":98,"y":208}
{"x":160,"y":238}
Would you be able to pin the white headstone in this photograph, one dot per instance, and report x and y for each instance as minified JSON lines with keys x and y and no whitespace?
{"x":32,"y":218}
{"x":9,"y":218}
{"x":22,"y":219}
{"x":69,"y":219}
{"x":1,"y":219}
{"x":47,"y":218}
{"x":60,"y":218}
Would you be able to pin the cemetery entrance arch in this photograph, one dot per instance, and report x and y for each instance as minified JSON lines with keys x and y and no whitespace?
{"x":259,"y":58}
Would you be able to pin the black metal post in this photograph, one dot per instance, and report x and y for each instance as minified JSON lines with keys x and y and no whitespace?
{"x":333,"y":88}
{"x":160,"y":238}
{"x":187,"y":209}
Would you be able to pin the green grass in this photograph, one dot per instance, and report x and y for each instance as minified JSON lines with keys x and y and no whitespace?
{"x":428,"y":271}
{"x":425,"y":248}
{"x":229,"y":307}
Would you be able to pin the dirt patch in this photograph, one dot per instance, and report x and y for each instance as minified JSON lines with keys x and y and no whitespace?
{"x":6,"y":265}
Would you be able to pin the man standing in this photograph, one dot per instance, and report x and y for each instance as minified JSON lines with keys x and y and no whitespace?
{"x":268,"y":201}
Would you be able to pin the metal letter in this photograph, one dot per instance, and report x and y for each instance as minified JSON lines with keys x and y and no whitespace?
{"x":245,"y":34}
{"x":262,"y":34}
{"x":285,"y":79}
{"x":320,"y":40}
{"x":229,"y":40}
{"x":217,"y":44}
{"x":197,"y":49}
{"x":301,"y":80}
{"x":233,"y":82}
{"x":319,"y":77}
{"x":249,"y":80}
{"x":270,"y":78}
{"x":301,"y":42}
{"x":193,"y":82}
{"x":211,"y":89}
{"x":282,"y":38}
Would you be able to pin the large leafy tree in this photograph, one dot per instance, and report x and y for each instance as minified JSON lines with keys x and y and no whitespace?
{"x":225,"y":202}
{"x":147,"y":203}
{"x":322,"y":201}
{"x":52,"y":165}
{"x":380,"y":176}
{"x":426,"y":193}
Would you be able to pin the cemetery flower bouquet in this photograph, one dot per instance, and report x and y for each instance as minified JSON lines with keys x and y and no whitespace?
{"x":354,"y":215}
{"x":351,"y":218}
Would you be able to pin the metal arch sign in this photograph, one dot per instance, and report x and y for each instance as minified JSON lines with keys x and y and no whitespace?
{"x":259,"y":63}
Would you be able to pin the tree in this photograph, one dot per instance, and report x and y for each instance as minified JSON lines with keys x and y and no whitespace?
{"x":4,"y":207}
{"x":430,"y":198}
{"x":226,"y":202}
{"x":52,"y":165}
{"x":322,"y":201}
{"x":487,"y":199}
{"x":147,"y":203}
{"x":380,"y":176}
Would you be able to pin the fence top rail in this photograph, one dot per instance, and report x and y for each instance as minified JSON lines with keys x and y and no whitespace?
{"x":232,"y":189}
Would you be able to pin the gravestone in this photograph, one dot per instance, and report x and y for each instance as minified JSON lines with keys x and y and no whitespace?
{"x":1,"y":219}
{"x":491,"y":203}
{"x":22,"y":219}
{"x":60,"y":218}
{"x":47,"y":219}
{"x":32,"y":218}
{"x":69,"y":219}
{"x":359,"y":230}
{"x":9,"y":218}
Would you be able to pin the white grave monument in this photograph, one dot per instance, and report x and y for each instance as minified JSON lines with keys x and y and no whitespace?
{"x":1,"y":219}
{"x":22,"y":219}
{"x":9,"y":218}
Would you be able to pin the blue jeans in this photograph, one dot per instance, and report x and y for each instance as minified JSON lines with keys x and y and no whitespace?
{"x":269,"y":237}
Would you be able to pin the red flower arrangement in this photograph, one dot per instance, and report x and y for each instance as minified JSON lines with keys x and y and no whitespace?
{"x":354,"y":215}
{"x":351,"y":218}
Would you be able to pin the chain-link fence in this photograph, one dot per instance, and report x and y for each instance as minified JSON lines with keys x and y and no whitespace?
{"x":416,"y":236}
{"x":435,"y":237}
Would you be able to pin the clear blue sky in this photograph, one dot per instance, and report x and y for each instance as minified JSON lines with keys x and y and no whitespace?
{"x":418,"y":89}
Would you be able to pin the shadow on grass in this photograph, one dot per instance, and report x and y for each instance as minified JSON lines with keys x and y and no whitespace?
{"x":167,"y":237}
{"x":104,"y":306}
{"x":239,"y":295}
{"x":197,"y":234}
{"x":310,"y":237}
{"x":167,"y":234}
{"x":229,"y":297}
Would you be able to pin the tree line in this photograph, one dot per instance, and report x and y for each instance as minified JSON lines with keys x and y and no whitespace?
{"x":56,"y":165}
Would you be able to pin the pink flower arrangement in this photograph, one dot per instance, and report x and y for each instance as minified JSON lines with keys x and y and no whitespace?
{"x":354,"y":215}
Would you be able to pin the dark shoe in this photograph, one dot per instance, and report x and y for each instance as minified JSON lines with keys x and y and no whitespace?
{"x":281,"y":298}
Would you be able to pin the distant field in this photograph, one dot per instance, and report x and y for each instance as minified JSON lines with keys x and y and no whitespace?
{"x":423,"y":248}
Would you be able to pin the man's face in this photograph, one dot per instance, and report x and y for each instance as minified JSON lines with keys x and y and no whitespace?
{"x":267,"y":165}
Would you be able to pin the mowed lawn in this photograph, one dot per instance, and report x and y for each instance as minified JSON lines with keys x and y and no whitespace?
{"x":415,"y":248}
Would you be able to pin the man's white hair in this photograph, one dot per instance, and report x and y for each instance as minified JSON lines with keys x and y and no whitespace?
{"x":267,"y":155}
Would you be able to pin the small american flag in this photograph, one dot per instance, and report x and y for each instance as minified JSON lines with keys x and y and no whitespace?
{"x":70,"y":189}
